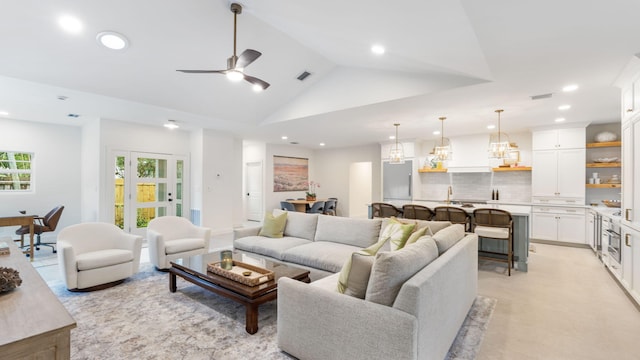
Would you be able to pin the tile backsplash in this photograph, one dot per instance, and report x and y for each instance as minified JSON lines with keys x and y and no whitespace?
{"x":514,"y":186}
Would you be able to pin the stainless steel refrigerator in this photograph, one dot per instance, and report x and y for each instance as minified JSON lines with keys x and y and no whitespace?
{"x":396,"y":181}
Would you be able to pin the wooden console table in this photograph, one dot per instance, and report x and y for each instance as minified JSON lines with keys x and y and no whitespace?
{"x":20,"y":221}
{"x":33,"y":322}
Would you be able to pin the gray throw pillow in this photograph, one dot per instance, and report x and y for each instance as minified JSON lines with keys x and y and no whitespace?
{"x":392,"y":268}
{"x":448,"y":237}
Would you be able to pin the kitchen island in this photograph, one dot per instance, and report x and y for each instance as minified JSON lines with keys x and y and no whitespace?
{"x":520,"y":214}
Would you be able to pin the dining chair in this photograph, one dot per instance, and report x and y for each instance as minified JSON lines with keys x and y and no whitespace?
{"x":316,"y":208}
{"x":330,"y":207}
{"x":285,"y":205}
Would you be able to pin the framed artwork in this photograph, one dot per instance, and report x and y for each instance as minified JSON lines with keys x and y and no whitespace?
{"x":290,"y":173}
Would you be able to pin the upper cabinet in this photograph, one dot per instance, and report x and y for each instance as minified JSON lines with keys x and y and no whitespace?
{"x":570,"y":138}
{"x":630,"y":98}
{"x":558,"y":165}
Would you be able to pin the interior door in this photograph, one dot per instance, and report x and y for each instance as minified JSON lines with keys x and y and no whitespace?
{"x":254,"y":194}
{"x":157,"y":187}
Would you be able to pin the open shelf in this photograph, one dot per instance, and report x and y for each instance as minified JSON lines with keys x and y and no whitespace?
{"x":428,"y":170}
{"x":603,"y":186}
{"x":517,"y":168}
{"x":605,"y":144}
{"x":604,"y":165}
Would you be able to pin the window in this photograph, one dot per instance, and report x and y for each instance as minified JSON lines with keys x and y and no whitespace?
{"x":16,"y":171}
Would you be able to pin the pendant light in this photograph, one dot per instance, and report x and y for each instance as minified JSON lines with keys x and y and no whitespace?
{"x":499,"y":146}
{"x":442,"y":152}
{"x":396,"y":154}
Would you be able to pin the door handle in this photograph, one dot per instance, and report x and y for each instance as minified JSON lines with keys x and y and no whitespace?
{"x":627,"y":215}
{"x":247,"y":194}
{"x":170,"y":200}
{"x":627,"y":239}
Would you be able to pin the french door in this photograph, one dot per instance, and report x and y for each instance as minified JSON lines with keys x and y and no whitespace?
{"x":148,"y":185}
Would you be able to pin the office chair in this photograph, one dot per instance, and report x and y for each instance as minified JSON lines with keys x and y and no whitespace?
{"x":43,"y":224}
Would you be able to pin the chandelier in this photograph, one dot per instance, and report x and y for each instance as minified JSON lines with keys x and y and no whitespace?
{"x":499,"y":146}
{"x":442,"y":152}
{"x":396,"y":154}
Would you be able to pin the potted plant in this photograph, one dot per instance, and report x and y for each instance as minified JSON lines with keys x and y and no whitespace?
{"x":311,"y":193}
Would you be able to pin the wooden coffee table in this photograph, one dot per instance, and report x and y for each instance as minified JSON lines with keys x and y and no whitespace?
{"x":194,"y":270}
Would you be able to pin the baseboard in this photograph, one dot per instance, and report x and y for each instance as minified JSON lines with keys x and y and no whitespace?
{"x":634,"y":301}
{"x":560,"y":243}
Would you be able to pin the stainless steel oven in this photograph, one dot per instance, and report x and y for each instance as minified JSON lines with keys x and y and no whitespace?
{"x":615,"y":246}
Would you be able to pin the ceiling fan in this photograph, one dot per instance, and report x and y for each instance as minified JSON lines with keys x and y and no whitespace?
{"x":236,"y":64}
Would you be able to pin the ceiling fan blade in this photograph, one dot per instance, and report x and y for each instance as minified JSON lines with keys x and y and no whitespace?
{"x":256,"y":81}
{"x":203,"y":71}
{"x":247,"y":57}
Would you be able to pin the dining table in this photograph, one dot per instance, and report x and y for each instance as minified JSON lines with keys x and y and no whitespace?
{"x":301,"y":205}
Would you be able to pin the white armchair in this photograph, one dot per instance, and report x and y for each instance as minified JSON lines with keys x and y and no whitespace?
{"x":94,"y":256}
{"x":174,"y":237}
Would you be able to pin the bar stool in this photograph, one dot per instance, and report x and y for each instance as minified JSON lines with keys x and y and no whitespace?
{"x":454,"y":215}
{"x":384,"y":210}
{"x":412,"y":211}
{"x":495,"y":224}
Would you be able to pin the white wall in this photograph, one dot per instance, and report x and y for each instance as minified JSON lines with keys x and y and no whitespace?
{"x":57,"y":177}
{"x":332,"y":168}
{"x":221,"y":181}
{"x":90,"y":172}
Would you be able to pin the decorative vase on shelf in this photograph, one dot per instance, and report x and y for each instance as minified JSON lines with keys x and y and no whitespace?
{"x":606,"y":136}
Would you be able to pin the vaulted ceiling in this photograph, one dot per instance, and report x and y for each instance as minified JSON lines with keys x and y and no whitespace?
{"x":456,"y":58}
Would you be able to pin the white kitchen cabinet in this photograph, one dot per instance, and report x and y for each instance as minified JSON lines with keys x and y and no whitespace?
{"x":630,"y":173}
{"x":558,"y":173}
{"x":570,"y":138}
{"x":631,"y":239}
{"x":631,"y":99}
{"x":626,"y":273}
{"x":558,"y":224}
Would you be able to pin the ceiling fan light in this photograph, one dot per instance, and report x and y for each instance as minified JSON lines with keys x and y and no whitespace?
{"x":235,"y":75}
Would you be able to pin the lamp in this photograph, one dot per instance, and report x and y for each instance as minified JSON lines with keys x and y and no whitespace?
{"x":499,"y":146}
{"x":396,"y":154}
{"x":442,"y":152}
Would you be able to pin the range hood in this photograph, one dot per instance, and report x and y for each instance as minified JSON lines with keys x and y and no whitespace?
{"x":468,"y":169}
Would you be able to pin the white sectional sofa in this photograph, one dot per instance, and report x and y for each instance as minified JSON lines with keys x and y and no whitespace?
{"x":315,"y":321}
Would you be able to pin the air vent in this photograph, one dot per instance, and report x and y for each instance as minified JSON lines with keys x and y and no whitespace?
{"x":73,"y":115}
{"x":543,"y":96}
{"x":303,"y":76}
{"x":294,"y":143}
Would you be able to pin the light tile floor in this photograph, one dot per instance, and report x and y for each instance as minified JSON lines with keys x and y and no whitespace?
{"x":566,"y":307}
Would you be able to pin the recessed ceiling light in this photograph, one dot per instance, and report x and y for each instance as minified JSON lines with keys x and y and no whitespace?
{"x":392,"y":137}
{"x":4,"y":113}
{"x":437,"y":132}
{"x":112,"y":40}
{"x":321,"y":144}
{"x":564,"y":107}
{"x":284,"y":137}
{"x":70,"y":24}
{"x":569,"y":88}
{"x":491,"y":127}
{"x":377,"y":49}
{"x":171,"y":124}
{"x":257,"y":88}
{"x":560,"y":119}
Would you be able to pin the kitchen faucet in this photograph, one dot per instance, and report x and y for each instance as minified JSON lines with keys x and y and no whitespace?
{"x":449,"y":192}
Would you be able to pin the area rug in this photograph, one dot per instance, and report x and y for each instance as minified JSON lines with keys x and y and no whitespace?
{"x":141,"y":319}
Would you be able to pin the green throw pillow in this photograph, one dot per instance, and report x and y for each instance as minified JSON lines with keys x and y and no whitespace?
{"x":273,"y":226}
{"x":397,"y":232}
{"x":353,"y":280}
{"x":418,"y":234}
